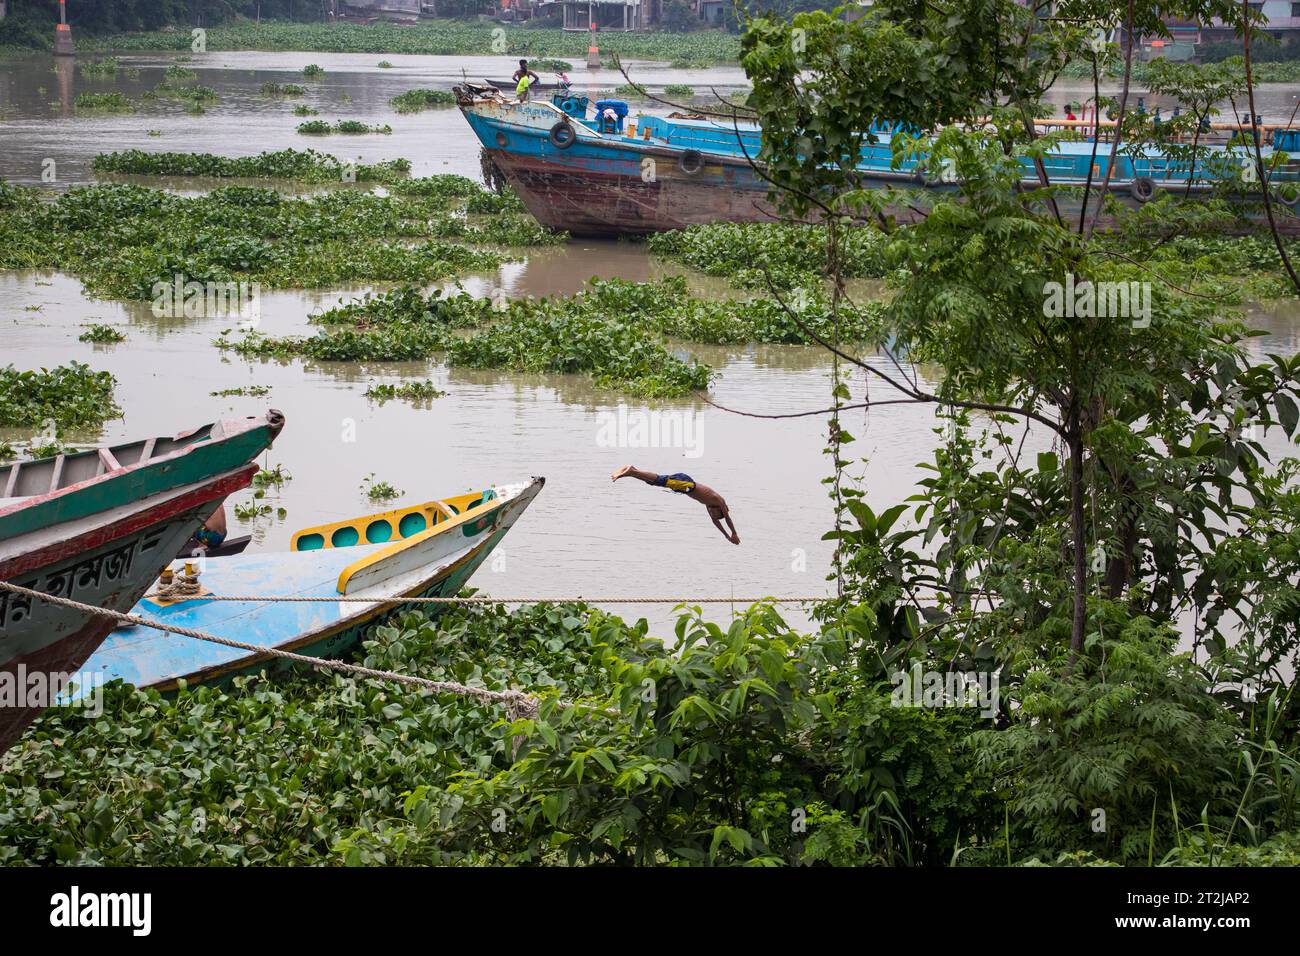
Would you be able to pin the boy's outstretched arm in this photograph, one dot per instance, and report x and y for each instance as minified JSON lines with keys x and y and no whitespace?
{"x":729,"y":535}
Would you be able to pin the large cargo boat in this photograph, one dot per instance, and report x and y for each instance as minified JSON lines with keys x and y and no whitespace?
{"x":609,"y":176}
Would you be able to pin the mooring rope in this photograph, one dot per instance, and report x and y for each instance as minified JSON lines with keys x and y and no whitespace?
{"x":518,"y":704}
{"x":480,"y":599}
{"x":183,"y":585}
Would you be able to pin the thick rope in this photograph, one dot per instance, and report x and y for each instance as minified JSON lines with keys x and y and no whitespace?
{"x":518,"y":704}
{"x":183,"y":585}
{"x":478,"y":599}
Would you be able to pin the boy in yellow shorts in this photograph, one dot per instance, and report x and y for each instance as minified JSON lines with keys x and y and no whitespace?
{"x":684,"y":484}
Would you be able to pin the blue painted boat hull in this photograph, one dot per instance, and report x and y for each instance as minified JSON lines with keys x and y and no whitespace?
{"x":323,"y":628}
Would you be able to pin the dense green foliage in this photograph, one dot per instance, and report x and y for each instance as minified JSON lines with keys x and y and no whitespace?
{"x":1124,"y":597}
{"x":123,"y":239}
{"x":431,"y":37}
{"x":413,"y":101}
{"x":103,"y":103}
{"x":302,"y":165}
{"x":757,"y":255}
{"x":323,"y":128}
{"x":616,"y":331}
{"x":69,"y":397}
{"x":717,"y":751}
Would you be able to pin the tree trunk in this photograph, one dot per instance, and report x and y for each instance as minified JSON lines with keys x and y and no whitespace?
{"x":1078,"y":536}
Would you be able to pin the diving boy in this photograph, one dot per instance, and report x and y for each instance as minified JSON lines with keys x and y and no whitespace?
{"x":686,"y":485}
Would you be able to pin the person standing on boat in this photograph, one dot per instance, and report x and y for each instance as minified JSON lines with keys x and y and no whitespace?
{"x":524,"y":78}
{"x":686,"y":485}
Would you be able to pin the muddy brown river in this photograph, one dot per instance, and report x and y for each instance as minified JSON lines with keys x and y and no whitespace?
{"x":583,"y":536}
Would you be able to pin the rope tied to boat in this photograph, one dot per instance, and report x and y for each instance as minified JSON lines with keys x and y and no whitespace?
{"x":482,"y":599}
{"x":518,"y":705}
{"x":181,"y":586}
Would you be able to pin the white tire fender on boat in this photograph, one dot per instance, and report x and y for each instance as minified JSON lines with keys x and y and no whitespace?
{"x":1143,"y":188}
{"x":690,"y":162}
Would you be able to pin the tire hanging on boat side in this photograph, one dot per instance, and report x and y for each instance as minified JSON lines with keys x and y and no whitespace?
{"x":691,"y":162}
{"x":562,"y":135}
{"x":1143,"y":188}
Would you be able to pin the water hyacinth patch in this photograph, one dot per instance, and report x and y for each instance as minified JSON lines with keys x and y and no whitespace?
{"x":122,"y":240}
{"x":414,"y":392}
{"x":71,"y":396}
{"x":103,"y":103}
{"x":616,"y":332}
{"x":438,"y":38}
{"x":273,"y":89}
{"x":323,"y":128}
{"x":101,"y":335}
{"x":789,"y":254}
{"x":413,"y":101}
{"x":302,"y":165}
{"x":99,"y":68}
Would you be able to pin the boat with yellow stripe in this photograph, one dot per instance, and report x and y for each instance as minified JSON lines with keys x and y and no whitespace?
{"x":426,"y":550}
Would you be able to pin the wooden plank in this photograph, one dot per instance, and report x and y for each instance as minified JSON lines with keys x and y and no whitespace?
{"x":12,"y":484}
{"x":108,"y":459}
{"x":58,"y":473}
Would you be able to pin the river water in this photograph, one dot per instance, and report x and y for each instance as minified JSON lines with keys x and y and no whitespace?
{"x":583,"y":535}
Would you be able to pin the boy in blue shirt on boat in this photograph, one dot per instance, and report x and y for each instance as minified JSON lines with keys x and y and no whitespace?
{"x":684,"y":484}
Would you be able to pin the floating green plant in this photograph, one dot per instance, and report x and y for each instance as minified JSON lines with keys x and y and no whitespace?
{"x":282,"y":89}
{"x":378,"y":490}
{"x":71,"y":396}
{"x":323,"y":128}
{"x":413,"y":101}
{"x":407,"y":391}
{"x":304,"y":165}
{"x":246,"y":390}
{"x":103,"y":103}
{"x":101,"y":335}
{"x":99,"y":68}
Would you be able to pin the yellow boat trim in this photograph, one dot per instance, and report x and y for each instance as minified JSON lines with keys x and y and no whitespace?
{"x":473,"y":514}
{"x":396,"y":524}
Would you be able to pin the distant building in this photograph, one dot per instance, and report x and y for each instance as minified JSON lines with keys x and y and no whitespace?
{"x":406,"y":9}
{"x":610,"y":14}
{"x":713,"y":12}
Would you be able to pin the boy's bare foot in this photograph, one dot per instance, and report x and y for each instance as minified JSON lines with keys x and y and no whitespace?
{"x":621,"y":473}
